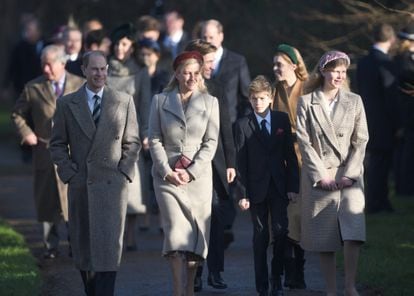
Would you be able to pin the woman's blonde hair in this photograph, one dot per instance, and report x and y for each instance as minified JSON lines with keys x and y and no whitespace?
{"x":316,"y":79}
{"x":173,"y":83}
{"x":301,"y":70}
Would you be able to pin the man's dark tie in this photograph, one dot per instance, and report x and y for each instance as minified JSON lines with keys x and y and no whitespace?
{"x":58,"y":90}
{"x":264,"y":130}
{"x":96,"y":109}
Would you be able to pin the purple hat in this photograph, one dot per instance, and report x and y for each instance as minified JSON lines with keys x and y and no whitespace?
{"x":331,"y":56}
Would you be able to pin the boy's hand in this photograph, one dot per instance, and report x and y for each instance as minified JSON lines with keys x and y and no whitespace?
{"x":293,"y":196}
{"x":328,"y":184}
{"x":244,"y":204}
{"x":231,"y":174}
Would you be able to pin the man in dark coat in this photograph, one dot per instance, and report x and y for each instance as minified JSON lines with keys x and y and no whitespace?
{"x":230,"y":69}
{"x":376,"y":85}
{"x":224,"y":163}
{"x":95,"y":145}
{"x":32,"y":115}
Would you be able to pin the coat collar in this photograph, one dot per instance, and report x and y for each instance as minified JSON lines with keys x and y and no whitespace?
{"x":173,"y":105}
{"x":330,"y":125}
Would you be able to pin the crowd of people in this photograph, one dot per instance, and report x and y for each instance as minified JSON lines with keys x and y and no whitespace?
{"x":151,"y":119}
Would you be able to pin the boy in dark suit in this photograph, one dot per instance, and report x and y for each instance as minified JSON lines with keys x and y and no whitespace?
{"x":268,"y":179}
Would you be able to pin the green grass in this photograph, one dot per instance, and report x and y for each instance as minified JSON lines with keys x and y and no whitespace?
{"x":19,"y":274}
{"x":387,"y":259}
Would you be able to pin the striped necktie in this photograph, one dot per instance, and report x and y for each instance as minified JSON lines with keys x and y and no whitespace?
{"x":96,"y":109}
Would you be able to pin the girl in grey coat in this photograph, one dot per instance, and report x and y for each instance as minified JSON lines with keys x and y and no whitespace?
{"x":332,"y":134}
{"x":184,"y":121}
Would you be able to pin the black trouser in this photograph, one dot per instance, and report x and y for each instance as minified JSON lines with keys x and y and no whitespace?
{"x":99,"y":283}
{"x":215,"y":257}
{"x":378,"y":166}
{"x":274,"y":206}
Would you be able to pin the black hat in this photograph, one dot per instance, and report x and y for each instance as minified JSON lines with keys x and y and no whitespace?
{"x":125,"y":30}
{"x":407,"y":32}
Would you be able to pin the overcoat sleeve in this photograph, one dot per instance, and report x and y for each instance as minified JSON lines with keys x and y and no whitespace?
{"x":209,"y":143}
{"x":241,"y":153}
{"x":130,"y":143}
{"x":142,"y":101}
{"x":158,"y":153}
{"x":359,"y":139}
{"x":311,"y":162}
{"x":21,"y":114}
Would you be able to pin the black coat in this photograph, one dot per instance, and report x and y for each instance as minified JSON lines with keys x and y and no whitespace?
{"x":377,"y":87}
{"x":225,"y":156}
{"x":233,"y":74}
{"x":260,"y":162}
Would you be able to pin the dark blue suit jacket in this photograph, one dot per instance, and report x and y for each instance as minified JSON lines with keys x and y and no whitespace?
{"x":234,"y":75}
{"x":377,"y":87}
{"x":260,"y":162}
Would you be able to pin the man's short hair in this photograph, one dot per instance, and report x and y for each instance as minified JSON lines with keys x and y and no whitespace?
{"x":201,"y":46}
{"x":87,"y":55}
{"x":383,"y":33}
{"x":59,"y":51}
{"x":213,"y":22}
{"x":147,"y":23}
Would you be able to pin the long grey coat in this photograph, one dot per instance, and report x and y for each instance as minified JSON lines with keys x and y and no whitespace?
{"x":128,"y":77}
{"x":33,"y":113}
{"x":331,"y":148}
{"x":185,"y":210}
{"x":97,"y":163}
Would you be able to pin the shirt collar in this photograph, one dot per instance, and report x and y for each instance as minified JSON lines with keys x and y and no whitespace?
{"x":90,"y":93}
{"x":176,"y":37}
{"x":218,"y":55}
{"x":259,"y":118}
{"x":379,"y":48}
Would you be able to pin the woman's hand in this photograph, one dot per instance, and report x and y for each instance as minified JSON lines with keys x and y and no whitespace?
{"x":345,"y":182}
{"x":328,"y":184}
{"x":175,"y":179}
{"x":244,"y":204}
{"x":231,"y":174}
{"x":183,"y":175}
{"x":145,"y":144}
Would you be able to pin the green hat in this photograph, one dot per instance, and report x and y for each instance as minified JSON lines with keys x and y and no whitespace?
{"x":289,"y":51}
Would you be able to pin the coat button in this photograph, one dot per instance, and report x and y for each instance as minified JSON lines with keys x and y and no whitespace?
{"x":105,"y":159}
{"x":89,"y":160}
{"x":324,"y":153}
{"x":89,"y":182}
{"x":117,"y":138}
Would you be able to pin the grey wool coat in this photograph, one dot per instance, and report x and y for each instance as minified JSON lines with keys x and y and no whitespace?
{"x":186,"y":209}
{"x":33,"y":113}
{"x":97,"y":163}
{"x":332,"y":146}
{"x":134,"y":80}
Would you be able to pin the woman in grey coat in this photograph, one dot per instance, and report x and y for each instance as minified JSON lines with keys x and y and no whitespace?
{"x":125,"y":75}
{"x":332,"y":134}
{"x":184,"y":123}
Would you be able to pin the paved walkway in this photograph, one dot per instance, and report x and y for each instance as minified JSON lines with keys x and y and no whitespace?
{"x":143,"y":272}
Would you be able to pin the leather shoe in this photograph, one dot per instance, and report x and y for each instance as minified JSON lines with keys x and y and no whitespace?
{"x":215,"y":280}
{"x":50,"y":254}
{"x":198,"y":284}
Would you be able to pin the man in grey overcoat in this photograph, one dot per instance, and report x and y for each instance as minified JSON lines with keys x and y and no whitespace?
{"x":32,"y":116}
{"x":95,"y":145}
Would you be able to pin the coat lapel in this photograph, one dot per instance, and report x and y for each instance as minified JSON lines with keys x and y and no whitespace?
{"x":342,"y":108}
{"x":324,"y":119}
{"x":196,"y":106}
{"x":47,"y":95}
{"x":254,"y":125}
{"x":70,"y":85}
{"x":82,"y":114}
{"x":173,"y":105}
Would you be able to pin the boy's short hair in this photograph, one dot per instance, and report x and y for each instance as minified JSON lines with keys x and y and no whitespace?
{"x":260,"y":84}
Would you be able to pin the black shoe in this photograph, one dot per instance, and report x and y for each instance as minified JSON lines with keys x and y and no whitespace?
{"x":50,"y":254}
{"x":198,"y":284}
{"x":216,"y":281}
{"x":277,"y":289}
